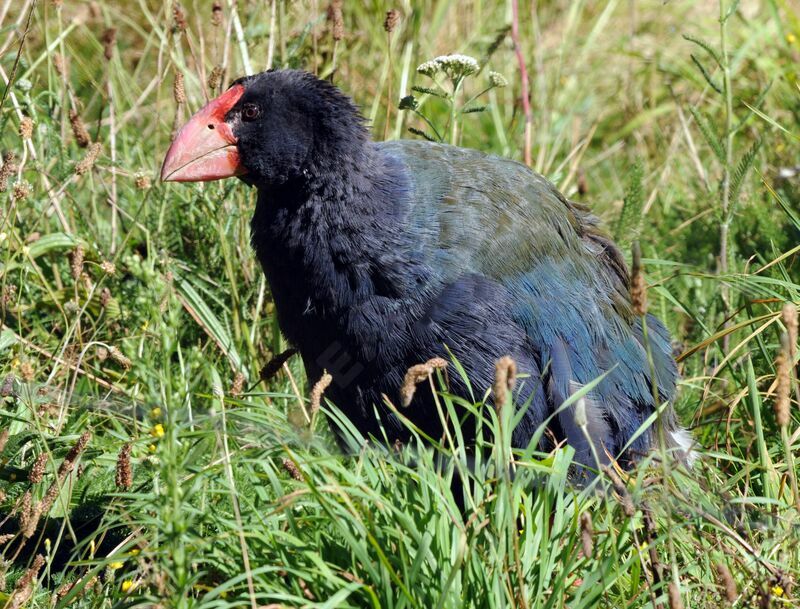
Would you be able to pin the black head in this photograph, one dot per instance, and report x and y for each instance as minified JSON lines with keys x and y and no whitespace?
{"x":272,"y":128}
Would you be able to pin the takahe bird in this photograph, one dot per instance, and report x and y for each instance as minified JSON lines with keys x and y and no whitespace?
{"x":381,"y":255}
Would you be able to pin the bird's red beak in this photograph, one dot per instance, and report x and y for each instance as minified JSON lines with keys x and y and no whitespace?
{"x":205,"y":147}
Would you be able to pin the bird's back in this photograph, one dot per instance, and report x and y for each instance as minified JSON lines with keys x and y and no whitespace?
{"x":568,"y":283}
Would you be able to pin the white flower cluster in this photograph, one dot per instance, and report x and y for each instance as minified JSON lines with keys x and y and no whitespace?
{"x":497,"y":80}
{"x":455,"y":66}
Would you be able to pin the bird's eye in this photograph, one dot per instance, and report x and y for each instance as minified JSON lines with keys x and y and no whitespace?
{"x":250,"y":112}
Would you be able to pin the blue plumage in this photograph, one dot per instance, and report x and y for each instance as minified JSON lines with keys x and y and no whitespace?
{"x":383,"y":255}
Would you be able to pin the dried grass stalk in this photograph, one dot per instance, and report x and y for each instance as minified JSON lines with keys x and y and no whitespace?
{"x":505,"y":377}
{"x":318,"y":390}
{"x":415,"y":375}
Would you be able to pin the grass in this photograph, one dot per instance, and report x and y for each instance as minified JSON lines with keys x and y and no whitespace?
{"x":134,"y":315}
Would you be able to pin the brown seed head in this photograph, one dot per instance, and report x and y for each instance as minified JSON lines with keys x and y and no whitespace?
{"x":292,"y":469}
{"x":38,"y":468}
{"x":76,"y":262}
{"x":789,"y":317}
{"x":783,"y":376}
{"x":505,"y":377}
{"x":638,"y":283}
{"x":60,"y":64}
{"x":336,"y":20}
{"x":109,"y":40}
{"x":8,"y":169}
{"x":179,"y":89}
{"x":391,"y":21}
{"x":79,"y":131}
{"x":75,"y":452}
{"x":215,"y":78}
{"x":21,"y":190}
{"x":26,"y":371}
{"x":26,"y":128}
{"x":142,"y":181}
{"x":108,"y":267}
{"x":86,"y":164}
{"x":319,"y":388}
{"x":238,"y":384}
{"x":119,"y":357}
{"x":124,"y":475}
{"x":179,"y":23}
{"x":726,"y":581}
{"x":9,"y":294}
{"x":24,"y":588}
{"x":4,"y":434}
{"x":415,"y":375}
{"x":587,"y":534}
{"x":105,"y":298}
{"x":216,"y":13}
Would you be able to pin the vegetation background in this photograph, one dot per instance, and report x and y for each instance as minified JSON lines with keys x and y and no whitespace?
{"x":144,"y":462}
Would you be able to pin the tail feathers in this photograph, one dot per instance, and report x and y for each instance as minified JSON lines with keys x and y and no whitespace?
{"x":592,"y":426}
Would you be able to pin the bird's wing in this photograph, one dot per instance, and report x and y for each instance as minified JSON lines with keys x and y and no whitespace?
{"x":568,"y":283}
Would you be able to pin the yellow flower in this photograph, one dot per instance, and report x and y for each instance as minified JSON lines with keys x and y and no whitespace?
{"x":155,"y":412}
{"x":777,"y":590}
{"x":117,"y":564}
{"x":157,"y":431}
{"x":135,"y":551}
{"x":152,"y":448}
{"x":126,"y":585}
{"x":790,"y":38}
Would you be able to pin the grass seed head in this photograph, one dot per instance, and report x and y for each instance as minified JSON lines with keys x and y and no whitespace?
{"x":124,"y":474}
{"x":60,"y":65}
{"x":26,"y":371}
{"x":238,"y":384}
{"x":142,"y":181}
{"x":21,"y":191}
{"x":108,"y":267}
{"x":215,"y":78}
{"x":76,"y":262}
{"x":79,"y":131}
{"x":216,"y":13}
{"x":109,"y":40}
{"x":783,"y":376}
{"x":179,"y":22}
{"x":4,"y":434}
{"x":319,"y":388}
{"x":179,"y":89}
{"x":790,"y":321}
{"x":38,"y":468}
{"x":24,"y":588}
{"x":505,"y":377}
{"x":8,"y":169}
{"x":391,"y":21}
{"x":336,"y":20}
{"x":26,"y":128}
{"x":415,"y":375}
{"x":119,"y":357}
{"x":86,"y":164}
{"x":292,"y":469}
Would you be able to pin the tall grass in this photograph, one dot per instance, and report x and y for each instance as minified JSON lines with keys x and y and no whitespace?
{"x":136,"y":312}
